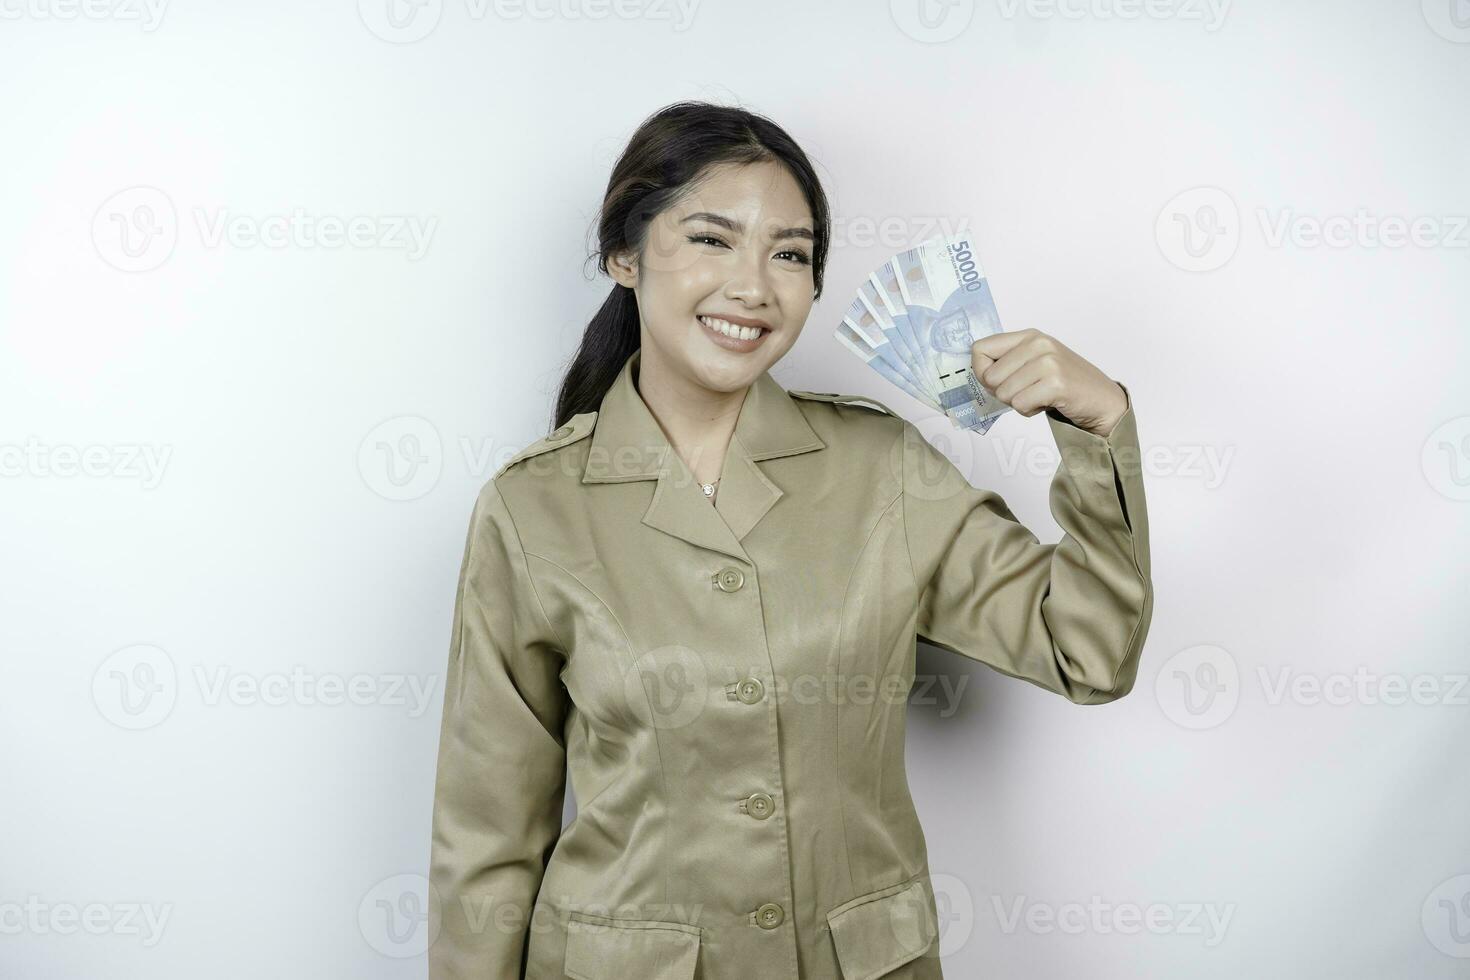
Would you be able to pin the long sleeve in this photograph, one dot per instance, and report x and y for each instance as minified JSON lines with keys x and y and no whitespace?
{"x":502,"y":761}
{"x":1069,"y":617}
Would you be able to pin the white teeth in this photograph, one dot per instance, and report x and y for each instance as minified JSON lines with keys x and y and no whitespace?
{"x":731,"y":330}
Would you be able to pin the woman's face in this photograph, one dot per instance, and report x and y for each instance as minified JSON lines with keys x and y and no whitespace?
{"x":738,"y":247}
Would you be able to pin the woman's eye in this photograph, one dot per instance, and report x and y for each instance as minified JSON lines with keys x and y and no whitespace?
{"x":796,"y":255}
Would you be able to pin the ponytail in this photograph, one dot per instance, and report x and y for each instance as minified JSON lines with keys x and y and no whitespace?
{"x":610,"y":339}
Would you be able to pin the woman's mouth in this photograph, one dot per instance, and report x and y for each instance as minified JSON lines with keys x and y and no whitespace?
{"x":732,"y":336}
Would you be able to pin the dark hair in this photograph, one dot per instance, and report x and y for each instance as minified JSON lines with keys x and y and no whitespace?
{"x":667,"y":154}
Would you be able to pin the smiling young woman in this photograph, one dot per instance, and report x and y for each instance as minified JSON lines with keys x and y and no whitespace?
{"x":723,"y":286}
{"x":715,"y":231}
{"x":645,"y":591}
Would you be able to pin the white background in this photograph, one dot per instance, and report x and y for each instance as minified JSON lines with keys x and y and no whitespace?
{"x":195,"y":492}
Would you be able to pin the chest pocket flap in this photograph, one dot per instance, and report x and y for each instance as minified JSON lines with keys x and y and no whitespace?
{"x":603,"y":948}
{"x":877,"y":932}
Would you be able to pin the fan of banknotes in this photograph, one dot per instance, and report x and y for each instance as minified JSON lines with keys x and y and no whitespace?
{"x":913,"y":322}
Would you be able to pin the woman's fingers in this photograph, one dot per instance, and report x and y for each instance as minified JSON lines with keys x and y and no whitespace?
{"x":1022,"y":377}
{"x":988,"y":350}
{"x":1030,"y":371}
{"x":1006,"y":353}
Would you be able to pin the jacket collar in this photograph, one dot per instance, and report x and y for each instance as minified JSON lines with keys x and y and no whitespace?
{"x":629,"y":445}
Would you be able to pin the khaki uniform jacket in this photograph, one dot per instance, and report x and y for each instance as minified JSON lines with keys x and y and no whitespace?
{"x":726,"y":684}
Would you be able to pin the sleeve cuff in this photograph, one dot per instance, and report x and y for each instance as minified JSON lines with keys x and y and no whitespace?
{"x":1063,"y":427}
{"x":1108,"y":460}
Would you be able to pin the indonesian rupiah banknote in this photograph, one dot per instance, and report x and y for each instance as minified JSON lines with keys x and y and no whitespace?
{"x":914,"y":320}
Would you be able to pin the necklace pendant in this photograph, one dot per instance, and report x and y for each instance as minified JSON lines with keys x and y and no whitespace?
{"x":709,"y":489}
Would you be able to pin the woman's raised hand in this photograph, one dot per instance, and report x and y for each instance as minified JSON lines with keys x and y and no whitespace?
{"x":1032,"y":371}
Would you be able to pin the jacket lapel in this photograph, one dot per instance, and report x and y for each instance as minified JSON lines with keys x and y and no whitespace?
{"x":629,"y":445}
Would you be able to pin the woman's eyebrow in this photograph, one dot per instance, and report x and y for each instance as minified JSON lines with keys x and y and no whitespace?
{"x":739,"y":228}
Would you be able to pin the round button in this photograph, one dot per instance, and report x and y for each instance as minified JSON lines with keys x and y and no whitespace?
{"x":769,"y":915}
{"x":760,"y":806}
{"x":750,"y":690}
{"x":562,"y":433}
{"x":730,"y":579}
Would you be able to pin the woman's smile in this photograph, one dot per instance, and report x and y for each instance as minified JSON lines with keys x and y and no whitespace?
{"x":741,"y":337}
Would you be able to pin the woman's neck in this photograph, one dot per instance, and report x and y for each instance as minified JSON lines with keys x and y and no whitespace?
{"x":697,"y":422}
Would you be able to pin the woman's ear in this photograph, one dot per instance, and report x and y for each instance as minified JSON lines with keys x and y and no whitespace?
{"x":623,"y":267}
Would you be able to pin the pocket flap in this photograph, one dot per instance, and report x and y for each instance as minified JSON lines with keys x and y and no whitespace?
{"x":877,"y":932}
{"x":603,"y":948}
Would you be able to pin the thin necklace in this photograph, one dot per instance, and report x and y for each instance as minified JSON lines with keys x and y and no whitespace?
{"x":709,"y":488}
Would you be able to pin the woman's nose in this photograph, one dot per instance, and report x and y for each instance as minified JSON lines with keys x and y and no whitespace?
{"x":748,"y":282}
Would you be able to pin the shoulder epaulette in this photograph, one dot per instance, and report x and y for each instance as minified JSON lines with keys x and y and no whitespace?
{"x":579,"y":427}
{"x":828,"y":396}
